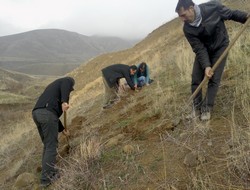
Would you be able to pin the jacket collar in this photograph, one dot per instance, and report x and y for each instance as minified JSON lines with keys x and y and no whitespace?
{"x":198,"y":17}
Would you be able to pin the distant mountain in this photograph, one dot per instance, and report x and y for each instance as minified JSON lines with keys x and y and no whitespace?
{"x":110,"y":44}
{"x":25,"y":51}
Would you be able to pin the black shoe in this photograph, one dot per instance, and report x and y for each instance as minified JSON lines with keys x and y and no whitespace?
{"x":44,"y":185}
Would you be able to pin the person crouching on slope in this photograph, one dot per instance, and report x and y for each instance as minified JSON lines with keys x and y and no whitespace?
{"x":206,"y":32}
{"x":142,"y":76}
{"x":49,"y":107}
{"x":111,"y":76}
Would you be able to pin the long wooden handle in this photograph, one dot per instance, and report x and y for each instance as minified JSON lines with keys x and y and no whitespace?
{"x":65,"y":125}
{"x":205,"y":80}
{"x":65,"y":119}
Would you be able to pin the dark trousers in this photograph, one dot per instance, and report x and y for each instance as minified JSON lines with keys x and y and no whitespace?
{"x":47,"y":125}
{"x":206,"y":103}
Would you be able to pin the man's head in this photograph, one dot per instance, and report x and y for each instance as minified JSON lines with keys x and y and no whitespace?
{"x":185,"y":10}
{"x":132,"y":69}
{"x":72,"y":82}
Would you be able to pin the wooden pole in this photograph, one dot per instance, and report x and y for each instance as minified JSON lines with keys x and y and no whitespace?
{"x":65,"y":124}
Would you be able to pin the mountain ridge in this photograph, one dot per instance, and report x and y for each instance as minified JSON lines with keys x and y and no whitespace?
{"x":54,"y":46}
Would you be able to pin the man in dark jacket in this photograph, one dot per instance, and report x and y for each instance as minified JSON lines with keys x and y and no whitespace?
{"x":111,"y":76}
{"x":49,"y":107}
{"x":205,"y":30}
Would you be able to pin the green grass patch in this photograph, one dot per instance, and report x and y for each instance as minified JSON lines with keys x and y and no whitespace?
{"x":123,"y":123}
{"x":110,"y":155}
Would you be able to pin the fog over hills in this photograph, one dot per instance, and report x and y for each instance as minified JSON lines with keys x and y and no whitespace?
{"x":35,"y":51}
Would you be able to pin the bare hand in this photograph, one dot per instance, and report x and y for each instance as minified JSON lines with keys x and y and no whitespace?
{"x":208,"y":72}
{"x":65,"y":106}
{"x":66,"y":132}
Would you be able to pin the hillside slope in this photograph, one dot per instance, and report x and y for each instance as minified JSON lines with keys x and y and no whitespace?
{"x":137,"y":143}
{"x":144,"y":141}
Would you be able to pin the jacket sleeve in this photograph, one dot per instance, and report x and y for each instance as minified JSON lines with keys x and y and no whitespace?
{"x":135,"y":78}
{"x":199,"y":49}
{"x":129,"y":81}
{"x":66,"y":88}
{"x":60,"y":126}
{"x":235,"y":15}
{"x":147,"y":77}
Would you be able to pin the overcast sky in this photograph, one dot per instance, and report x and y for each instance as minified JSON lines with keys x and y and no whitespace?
{"x":122,"y":18}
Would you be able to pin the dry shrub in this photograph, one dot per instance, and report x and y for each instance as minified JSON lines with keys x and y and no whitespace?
{"x":15,"y":151}
{"x":185,"y":61}
{"x":238,"y":159}
{"x":90,"y":149}
{"x":158,"y":99}
{"x":80,"y":171}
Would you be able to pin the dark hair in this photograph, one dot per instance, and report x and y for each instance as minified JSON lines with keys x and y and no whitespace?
{"x":185,"y":4}
{"x":142,"y":66}
{"x":71,"y":80}
{"x":133,"y":67}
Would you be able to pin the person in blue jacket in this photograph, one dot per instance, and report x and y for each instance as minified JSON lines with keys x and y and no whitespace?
{"x":205,"y":30}
{"x":142,"y":76}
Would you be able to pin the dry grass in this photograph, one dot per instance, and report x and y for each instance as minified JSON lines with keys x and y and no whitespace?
{"x":184,"y":60}
{"x":222,"y":145}
{"x":11,"y":98}
{"x":78,"y":172}
{"x":236,"y":161}
{"x":164,"y":101}
{"x":14,"y":149}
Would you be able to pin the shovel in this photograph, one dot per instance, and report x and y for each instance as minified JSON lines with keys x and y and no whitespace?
{"x":65,"y":127}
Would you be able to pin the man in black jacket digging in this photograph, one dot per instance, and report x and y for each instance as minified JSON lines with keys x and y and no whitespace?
{"x":49,"y":107}
{"x":205,"y":30}
{"x":111,"y":76}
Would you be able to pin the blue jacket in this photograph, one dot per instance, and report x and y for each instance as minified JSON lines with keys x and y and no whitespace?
{"x":139,"y":74}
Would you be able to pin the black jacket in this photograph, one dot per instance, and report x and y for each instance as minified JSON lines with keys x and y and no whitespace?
{"x":211,"y":35}
{"x":55,"y":94}
{"x":113,"y":73}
